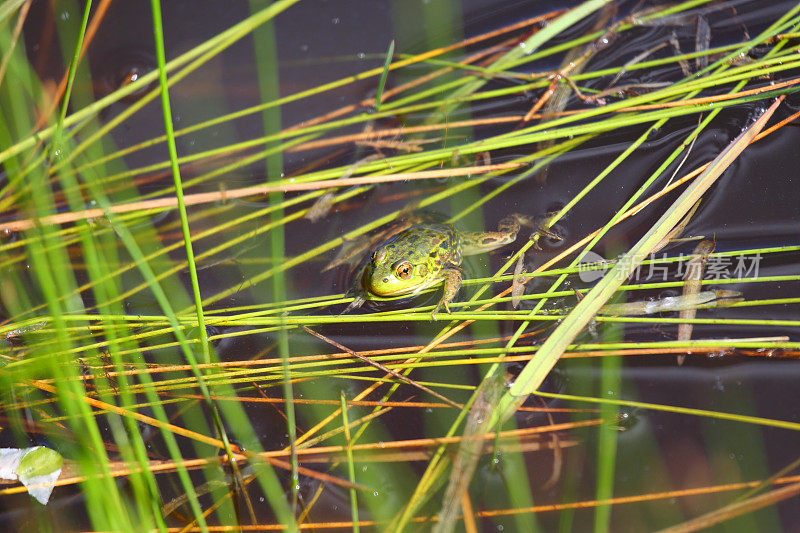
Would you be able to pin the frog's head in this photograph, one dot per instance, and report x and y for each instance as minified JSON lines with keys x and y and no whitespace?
{"x":388,"y":276}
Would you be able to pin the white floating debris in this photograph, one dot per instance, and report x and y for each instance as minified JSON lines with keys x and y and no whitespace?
{"x":37,"y":468}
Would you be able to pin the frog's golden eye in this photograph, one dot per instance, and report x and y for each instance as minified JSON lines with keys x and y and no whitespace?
{"x":404,"y":270}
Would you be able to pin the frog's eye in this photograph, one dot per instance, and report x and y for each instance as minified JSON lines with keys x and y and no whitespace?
{"x":123,"y":68}
{"x":404,"y":270}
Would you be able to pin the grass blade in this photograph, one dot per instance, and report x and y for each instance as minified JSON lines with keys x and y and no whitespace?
{"x":382,"y":81}
{"x":537,"y":369}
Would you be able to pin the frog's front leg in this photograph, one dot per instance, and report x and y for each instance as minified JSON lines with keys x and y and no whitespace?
{"x":452,"y":282}
{"x":357,"y":291}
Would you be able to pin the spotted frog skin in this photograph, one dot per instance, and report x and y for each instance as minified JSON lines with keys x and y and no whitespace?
{"x":425,"y":255}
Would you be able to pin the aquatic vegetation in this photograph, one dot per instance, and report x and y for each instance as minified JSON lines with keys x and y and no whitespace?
{"x":172,"y":331}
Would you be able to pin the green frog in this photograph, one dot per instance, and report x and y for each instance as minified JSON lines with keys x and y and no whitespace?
{"x":423,"y":255}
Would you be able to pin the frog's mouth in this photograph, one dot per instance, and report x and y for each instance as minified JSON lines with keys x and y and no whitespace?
{"x":385,"y":292}
{"x":385,"y":289}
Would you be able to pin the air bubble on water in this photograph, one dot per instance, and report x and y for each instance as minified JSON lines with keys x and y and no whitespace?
{"x":335,"y":20}
{"x":65,"y":15}
{"x":361,"y":55}
{"x":717,"y":354}
{"x":376,"y":493}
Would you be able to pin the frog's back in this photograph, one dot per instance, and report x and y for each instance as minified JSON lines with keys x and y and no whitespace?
{"x":412,"y":260}
{"x":433,"y":243}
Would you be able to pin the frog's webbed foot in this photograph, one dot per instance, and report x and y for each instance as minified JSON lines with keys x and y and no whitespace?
{"x":439,"y":306}
{"x":518,"y":283}
{"x":350,"y":252}
{"x":357,"y":302}
{"x":510,"y":225}
{"x":452,"y":282}
{"x":321,"y":207}
{"x":544,"y":229}
{"x":507,"y":229}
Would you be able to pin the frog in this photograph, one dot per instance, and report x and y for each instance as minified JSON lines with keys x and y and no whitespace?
{"x":423,"y":255}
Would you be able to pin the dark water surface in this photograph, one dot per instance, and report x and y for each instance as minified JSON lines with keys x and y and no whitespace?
{"x":755,"y":204}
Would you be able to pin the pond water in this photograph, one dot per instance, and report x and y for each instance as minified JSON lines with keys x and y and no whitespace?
{"x":254,"y":253}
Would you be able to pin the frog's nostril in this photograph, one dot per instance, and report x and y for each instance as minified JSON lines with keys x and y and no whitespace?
{"x":386,"y":280}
